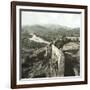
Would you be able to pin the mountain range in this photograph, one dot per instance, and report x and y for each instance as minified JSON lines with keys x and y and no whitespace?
{"x":52,"y":30}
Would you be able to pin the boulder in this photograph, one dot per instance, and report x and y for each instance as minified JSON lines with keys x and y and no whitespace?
{"x":71,"y":46}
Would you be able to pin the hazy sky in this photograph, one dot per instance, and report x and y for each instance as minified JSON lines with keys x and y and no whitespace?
{"x":66,"y":19}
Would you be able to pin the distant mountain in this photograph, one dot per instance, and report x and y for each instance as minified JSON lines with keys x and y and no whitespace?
{"x":56,"y":26}
{"x":49,"y":26}
{"x":51,"y":31}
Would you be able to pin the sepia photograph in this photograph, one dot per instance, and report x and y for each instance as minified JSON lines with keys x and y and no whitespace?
{"x":49,"y":43}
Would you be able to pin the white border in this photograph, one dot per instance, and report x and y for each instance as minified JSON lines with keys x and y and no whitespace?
{"x":50,"y":80}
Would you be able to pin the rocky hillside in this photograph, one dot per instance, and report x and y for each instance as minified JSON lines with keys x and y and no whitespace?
{"x":49,"y":61}
{"x":72,"y":59}
{"x":45,"y":62}
{"x":47,"y":52}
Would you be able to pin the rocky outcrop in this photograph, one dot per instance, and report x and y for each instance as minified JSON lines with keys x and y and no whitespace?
{"x":44,"y":62}
{"x":57,"y":62}
{"x":72,"y":59}
{"x":71,"y":46}
{"x":52,"y":62}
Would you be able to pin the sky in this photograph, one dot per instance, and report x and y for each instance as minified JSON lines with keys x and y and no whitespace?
{"x":65,"y":19}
